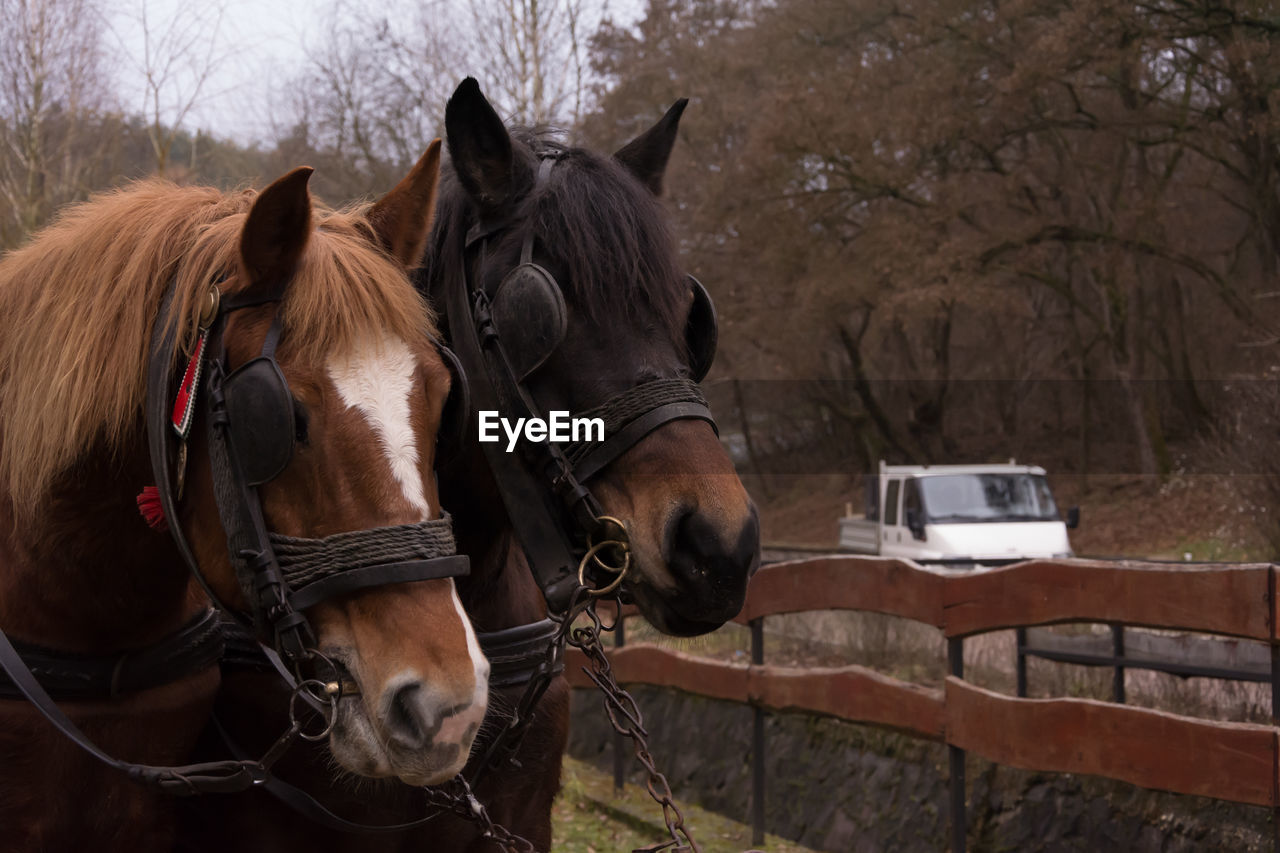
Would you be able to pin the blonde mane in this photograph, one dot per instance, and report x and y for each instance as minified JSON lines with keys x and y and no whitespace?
{"x":78,"y":304}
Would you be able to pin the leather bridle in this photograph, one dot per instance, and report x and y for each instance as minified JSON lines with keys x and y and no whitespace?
{"x":276,"y":595}
{"x":554,"y":515}
{"x":279,"y":576}
{"x":552,"y":510}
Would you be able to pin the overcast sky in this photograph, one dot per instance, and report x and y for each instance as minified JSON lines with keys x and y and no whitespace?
{"x":259,"y":46}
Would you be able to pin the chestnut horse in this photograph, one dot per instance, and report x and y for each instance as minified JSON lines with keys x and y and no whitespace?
{"x":630,"y":321}
{"x":88,"y":589}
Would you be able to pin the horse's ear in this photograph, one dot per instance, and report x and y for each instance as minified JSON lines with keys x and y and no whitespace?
{"x":646,"y":155}
{"x":479,"y":147}
{"x":277,"y":229}
{"x":402,"y":218}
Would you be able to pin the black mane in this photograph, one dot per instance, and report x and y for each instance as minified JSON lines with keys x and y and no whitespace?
{"x":596,"y":220}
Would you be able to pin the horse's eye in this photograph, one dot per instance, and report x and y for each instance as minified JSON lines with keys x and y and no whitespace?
{"x":300,"y":421}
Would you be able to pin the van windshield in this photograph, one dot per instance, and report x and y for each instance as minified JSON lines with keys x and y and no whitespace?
{"x":987,"y":497}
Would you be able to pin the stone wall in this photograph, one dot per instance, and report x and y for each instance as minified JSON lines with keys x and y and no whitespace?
{"x":836,"y":786}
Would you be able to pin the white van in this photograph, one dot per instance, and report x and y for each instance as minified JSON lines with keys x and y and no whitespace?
{"x":960,"y":515}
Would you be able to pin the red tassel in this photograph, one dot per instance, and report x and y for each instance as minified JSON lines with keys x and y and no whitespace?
{"x":151,"y":508}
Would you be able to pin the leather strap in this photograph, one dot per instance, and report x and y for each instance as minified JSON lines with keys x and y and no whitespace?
{"x":350,"y":580}
{"x":615,"y":445}
{"x":515,"y":654}
{"x":538,"y":522}
{"x":67,"y":677}
{"x":240,"y":510}
{"x":161,"y":443}
{"x":209,"y":777}
{"x":311,"y":808}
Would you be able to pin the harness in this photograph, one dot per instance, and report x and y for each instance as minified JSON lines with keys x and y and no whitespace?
{"x":196,"y":645}
{"x":251,"y":434}
{"x":502,"y":337}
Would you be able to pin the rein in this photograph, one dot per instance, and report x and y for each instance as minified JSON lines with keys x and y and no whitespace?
{"x":209,"y":777}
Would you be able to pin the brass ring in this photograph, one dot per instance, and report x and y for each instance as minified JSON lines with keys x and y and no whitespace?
{"x":617,"y":522}
{"x":622,"y":540}
{"x":621,"y":572}
{"x":317,"y":690}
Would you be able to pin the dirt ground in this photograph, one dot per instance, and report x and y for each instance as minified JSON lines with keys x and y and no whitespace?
{"x":1210,"y":517}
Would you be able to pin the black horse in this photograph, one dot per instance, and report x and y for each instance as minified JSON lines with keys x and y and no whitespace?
{"x":562,"y":291}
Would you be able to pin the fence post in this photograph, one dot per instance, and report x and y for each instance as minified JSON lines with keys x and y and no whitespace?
{"x":619,"y":747}
{"x":1275,"y":701}
{"x":757,"y":741}
{"x":1275,"y":721}
{"x":1020,"y":663}
{"x":955,"y":757}
{"x":1117,"y":649}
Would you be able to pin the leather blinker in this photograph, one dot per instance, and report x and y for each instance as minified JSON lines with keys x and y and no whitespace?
{"x":260,"y":419}
{"x":529,"y":313}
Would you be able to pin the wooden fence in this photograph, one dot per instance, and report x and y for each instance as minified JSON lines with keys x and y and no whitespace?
{"x":1238,"y":762}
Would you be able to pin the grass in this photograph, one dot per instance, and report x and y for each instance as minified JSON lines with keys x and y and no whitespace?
{"x":589,"y":818}
{"x":1227,"y":550}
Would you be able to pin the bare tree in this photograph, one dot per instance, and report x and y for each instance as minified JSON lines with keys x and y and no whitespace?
{"x":1088,"y":188}
{"x":531,"y":55}
{"x":181,"y":51}
{"x":372,"y":94}
{"x":374,"y":89}
{"x":50,"y":80}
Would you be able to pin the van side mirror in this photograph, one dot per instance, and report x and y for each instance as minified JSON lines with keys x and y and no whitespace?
{"x":1073,"y":518}
{"x":915,"y":524}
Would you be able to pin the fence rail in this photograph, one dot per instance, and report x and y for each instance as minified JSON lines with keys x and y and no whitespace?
{"x":1238,"y":762}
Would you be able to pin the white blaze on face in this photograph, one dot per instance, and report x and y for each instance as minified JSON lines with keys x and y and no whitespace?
{"x":466,"y":722}
{"x":378,"y":378}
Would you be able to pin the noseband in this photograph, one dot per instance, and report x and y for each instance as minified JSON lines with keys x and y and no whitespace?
{"x":504,"y":334}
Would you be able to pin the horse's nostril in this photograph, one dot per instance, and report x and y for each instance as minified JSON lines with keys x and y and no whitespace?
{"x":699,"y":544}
{"x":408,"y":722}
{"x":696,"y":539}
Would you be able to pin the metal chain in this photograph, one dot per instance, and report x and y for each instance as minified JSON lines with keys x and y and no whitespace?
{"x":457,"y":797}
{"x":624,"y":714}
{"x":625,"y":717}
{"x":507,"y":742}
